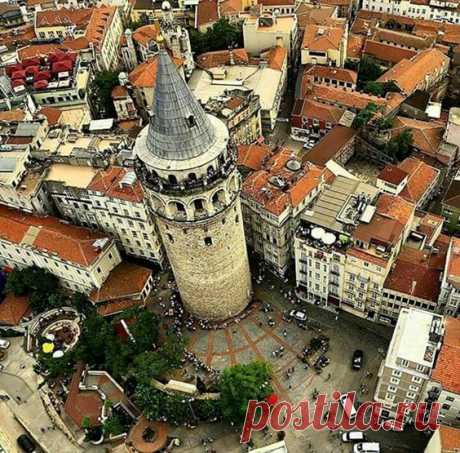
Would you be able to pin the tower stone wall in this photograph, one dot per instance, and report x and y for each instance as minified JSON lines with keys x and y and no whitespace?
{"x":188,"y":168}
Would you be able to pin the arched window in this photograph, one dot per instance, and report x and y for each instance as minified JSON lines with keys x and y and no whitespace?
{"x":172,"y":179}
{"x":208,"y":241}
{"x":192,"y":176}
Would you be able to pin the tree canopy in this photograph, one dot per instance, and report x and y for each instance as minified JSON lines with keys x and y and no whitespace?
{"x":220,"y":36}
{"x":364,"y":116}
{"x":400,"y":146}
{"x":101,"y":93}
{"x":239,"y":384}
{"x":369,"y":71}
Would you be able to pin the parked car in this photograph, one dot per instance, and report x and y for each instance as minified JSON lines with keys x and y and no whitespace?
{"x":367,"y":447}
{"x":353,"y":436}
{"x":348,"y":407}
{"x":4,"y":344}
{"x":26,"y":443}
{"x":357,"y":360}
{"x":298,"y":315}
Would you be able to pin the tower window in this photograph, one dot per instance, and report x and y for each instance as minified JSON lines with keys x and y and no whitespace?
{"x":207,"y":241}
{"x":191,"y":121}
{"x":171,"y":239}
{"x":236,"y":219}
{"x":198,"y":205}
{"x":172,"y":179}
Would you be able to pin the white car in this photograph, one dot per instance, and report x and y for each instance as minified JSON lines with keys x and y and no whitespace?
{"x":367,"y":447}
{"x":4,"y":344}
{"x":353,"y":436}
{"x":299,"y":315}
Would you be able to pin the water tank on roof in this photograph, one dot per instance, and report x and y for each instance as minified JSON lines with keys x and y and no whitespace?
{"x":293,"y":165}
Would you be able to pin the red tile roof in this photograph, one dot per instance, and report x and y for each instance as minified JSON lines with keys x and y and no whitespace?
{"x":145,"y":74}
{"x":126,"y":281}
{"x":260,"y":186}
{"x":453,"y":269}
{"x":276,"y":57}
{"x":110,"y":182}
{"x":207,"y":12}
{"x":407,"y":40}
{"x":364,"y":256}
{"x":426,"y":135}
{"x":416,"y":279}
{"x":330,"y":145}
{"x":326,"y":72}
{"x":119,"y":92}
{"x":253,"y":156}
{"x":99,"y":24}
{"x":69,"y":242}
{"x":63,"y":17}
{"x":393,"y":175}
{"x":211,"y":60}
{"x":114,"y":307}
{"x":421,"y":178}
{"x":409,"y":74}
{"x":355,"y":46}
{"x":395,"y":207}
{"x":13,"y":309}
{"x":447,"y":364}
{"x":321,"y":38}
{"x":144,"y":35}
{"x":52,"y":114}
{"x":387,"y":52}
{"x":12,"y":115}
{"x":277,"y":2}
{"x":322,"y":112}
{"x":450,"y":439}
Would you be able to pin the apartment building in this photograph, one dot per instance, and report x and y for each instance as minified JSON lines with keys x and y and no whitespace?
{"x":412,"y":179}
{"x":82,"y":259}
{"x":346,"y":243}
{"x":324,"y":45}
{"x":434,"y":10}
{"x":268,"y":30}
{"x":421,"y":72}
{"x":97,"y":29}
{"x":240,"y":111}
{"x":405,"y":372}
{"x":218,"y":72}
{"x":109,"y":200}
{"x":272,"y":199}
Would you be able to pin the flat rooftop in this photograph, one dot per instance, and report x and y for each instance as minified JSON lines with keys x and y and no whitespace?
{"x":413,"y":323}
{"x":71,"y":175}
{"x":263,"y":81}
{"x":332,"y":200}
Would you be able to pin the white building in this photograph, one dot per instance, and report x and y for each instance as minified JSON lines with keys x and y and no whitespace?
{"x":407,"y":367}
{"x":444,"y":11}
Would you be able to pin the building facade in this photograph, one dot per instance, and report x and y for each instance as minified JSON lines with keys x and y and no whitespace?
{"x":188,"y":168}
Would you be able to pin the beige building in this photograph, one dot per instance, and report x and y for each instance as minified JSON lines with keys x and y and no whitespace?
{"x":109,"y":200}
{"x":347,"y":243}
{"x":273,"y":198}
{"x":80,"y":258}
{"x":223,"y":70}
{"x":188,"y":168}
{"x":450,"y":285}
{"x":97,"y":29}
{"x":324,"y":45}
{"x":263,"y":32}
{"x":240,"y":112}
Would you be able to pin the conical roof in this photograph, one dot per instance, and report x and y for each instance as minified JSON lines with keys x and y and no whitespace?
{"x":179,"y":128}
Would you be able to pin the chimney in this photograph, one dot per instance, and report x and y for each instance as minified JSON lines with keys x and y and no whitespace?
{"x":414,"y":284}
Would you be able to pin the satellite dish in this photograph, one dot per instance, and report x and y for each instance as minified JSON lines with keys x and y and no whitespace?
{"x":166,"y":6}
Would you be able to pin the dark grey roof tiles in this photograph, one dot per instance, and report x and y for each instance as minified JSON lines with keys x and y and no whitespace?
{"x":179,"y":128}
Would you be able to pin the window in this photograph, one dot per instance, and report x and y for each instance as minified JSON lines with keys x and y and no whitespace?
{"x":98,"y":270}
{"x":416,"y":379}
{"x":450,"y":398}
{"x":394,"y":380}
{"x":414,"y":388}
{"x":207,"y":241}
{"x":404,"y":362}
{"x":389,"y":396}
{"x":392,"y":388}
{"x":411,"y":395}
{"x":445,"y":406}
{"x":170,"y":237}
{"x":420,"y":368}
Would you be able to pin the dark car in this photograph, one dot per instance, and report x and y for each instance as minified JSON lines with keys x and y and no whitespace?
{"x":357,"y":360}
{"x":27,"y":444}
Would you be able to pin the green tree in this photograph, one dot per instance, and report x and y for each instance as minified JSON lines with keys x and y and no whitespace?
{"x":369,"y":70}
{"x":239,"y":384}
{"x":82,"y":304}
{"x":114,"y":425}
{"x":149,"y":365}
{"x":400,"y":146}
{"x":220,"y":36}
{"x":86,"y":422}
{"x":57,"y":367}
{"x":172,"y":350}
{"x":96,"y":337}
{"x":156,"y":404}
{"x":101,"y":93}
{"x":384,"y":123}
{"x":364,"y":116}
{"x":145,"y":328}
{"x":374,"y":88}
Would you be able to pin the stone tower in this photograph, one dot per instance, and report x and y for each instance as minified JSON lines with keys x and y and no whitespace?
{"x":188,"y":168}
